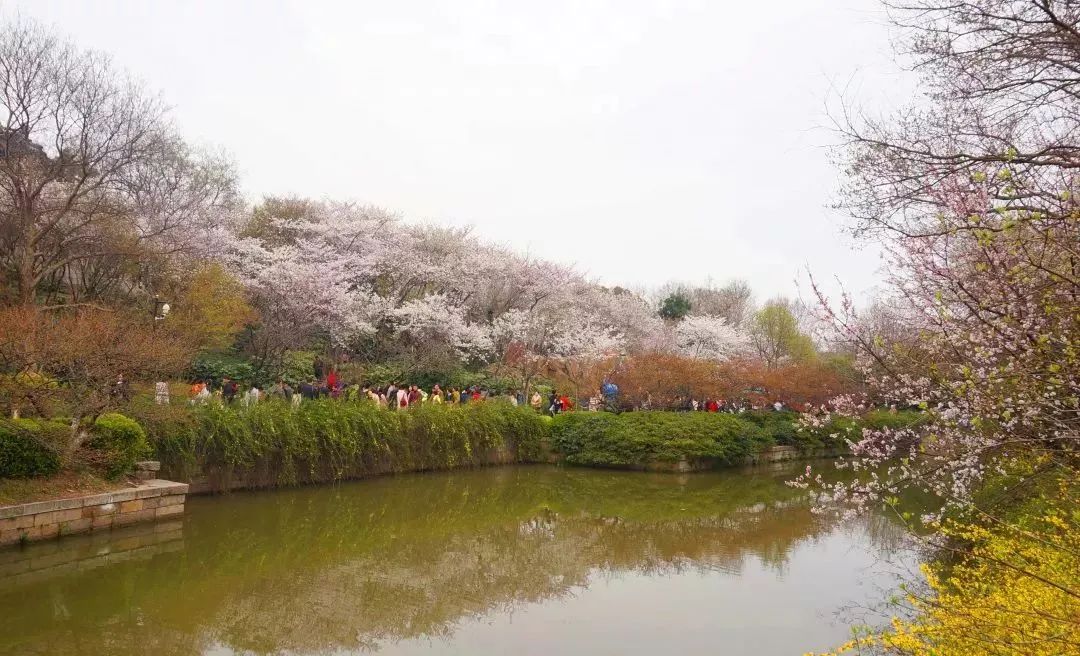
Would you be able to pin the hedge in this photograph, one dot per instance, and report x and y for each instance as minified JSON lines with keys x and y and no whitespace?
{"x":635,"y":439}
{"x":30,"y":447}
{"x":330,"y":440}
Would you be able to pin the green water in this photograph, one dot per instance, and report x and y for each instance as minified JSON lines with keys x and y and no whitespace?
{"x":521,"y":560}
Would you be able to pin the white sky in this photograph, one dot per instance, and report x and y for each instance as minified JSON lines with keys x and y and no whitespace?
{"x":642,"y":141}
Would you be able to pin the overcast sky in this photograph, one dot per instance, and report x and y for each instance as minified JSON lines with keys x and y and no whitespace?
{"x":642,"y":141}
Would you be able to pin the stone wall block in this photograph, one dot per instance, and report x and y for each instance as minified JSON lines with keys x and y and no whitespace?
{"x":11,"y":523}
{"x":80,"y":525}
{"x":41,"y":519}
{"x":131,"y":506}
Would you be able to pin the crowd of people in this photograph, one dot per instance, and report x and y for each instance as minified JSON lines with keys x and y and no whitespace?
{"x":722,"y":405}
{"x":395,"y":396}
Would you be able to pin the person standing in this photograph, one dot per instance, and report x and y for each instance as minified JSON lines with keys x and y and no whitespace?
{"x":228,"y":389}
{"x":536,"y":401}
{"x":202,"y":395}
{"x":120,"y":388}
{"x":402,"y":398}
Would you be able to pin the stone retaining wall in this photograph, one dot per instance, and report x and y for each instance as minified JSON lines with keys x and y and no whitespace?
{"x":150,"y":500}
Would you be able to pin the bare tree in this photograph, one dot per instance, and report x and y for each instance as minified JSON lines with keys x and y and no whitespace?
{"x":90,"y":171}
{"x":1002,"y":81}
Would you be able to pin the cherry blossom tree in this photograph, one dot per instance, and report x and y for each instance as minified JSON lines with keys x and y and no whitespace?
{"x":709,"y":338}
{"x":974,"y":202}
{"x":532,"y":342}
{"x":996,"y":297}
{"x":433,"y":318}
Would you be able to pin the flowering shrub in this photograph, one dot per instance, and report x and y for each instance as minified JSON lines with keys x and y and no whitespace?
{"x":1013,"y":593}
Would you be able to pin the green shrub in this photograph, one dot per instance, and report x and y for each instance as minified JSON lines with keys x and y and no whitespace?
{"x":328,"y":439}
{"x":780,"y":426}
{"x":214,"y":367}
{"x":638,"y":438}
{"x":30,"y":447}
{"x":123,"y":442}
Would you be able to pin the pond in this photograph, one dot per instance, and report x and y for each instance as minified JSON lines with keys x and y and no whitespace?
{"x":523,"y":560}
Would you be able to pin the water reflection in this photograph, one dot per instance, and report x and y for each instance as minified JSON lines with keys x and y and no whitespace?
{"x":379,"y":564}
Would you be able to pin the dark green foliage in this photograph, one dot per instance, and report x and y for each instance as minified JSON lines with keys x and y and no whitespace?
{"x":675,"y":307}
{"x":30,"y":447}
{"x":331,"y":440}
{"x":638,"y":438}
{"x":122,"y":441}
{"x":213,"y":367}
{"x":780,"y":426}
{"x":294,"y":367}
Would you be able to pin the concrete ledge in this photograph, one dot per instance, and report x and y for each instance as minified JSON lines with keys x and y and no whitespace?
{"x":45,"y":519}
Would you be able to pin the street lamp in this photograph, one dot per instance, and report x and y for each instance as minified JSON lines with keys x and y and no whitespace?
{"x":161,"y":309}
